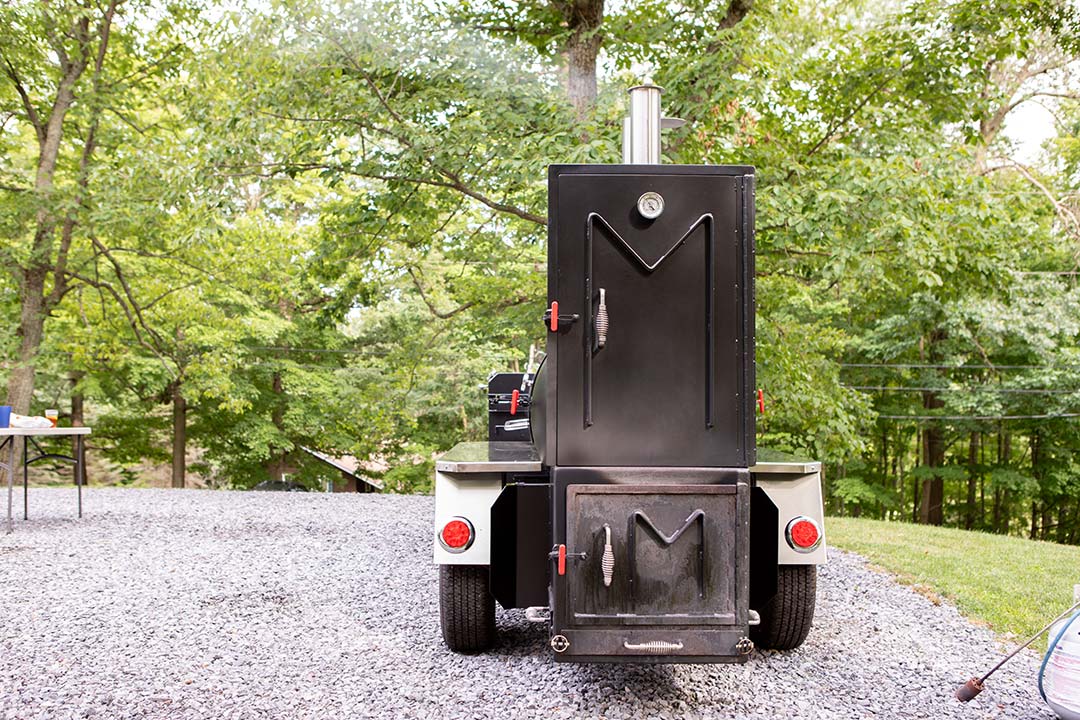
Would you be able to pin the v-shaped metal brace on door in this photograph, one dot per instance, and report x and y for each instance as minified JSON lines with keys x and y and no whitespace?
{"x":705,"y":221}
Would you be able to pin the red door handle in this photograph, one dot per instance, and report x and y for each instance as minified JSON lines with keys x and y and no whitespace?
{"x":554,"y":316}
{"x":562,"y":559}
{"x":514,"y":401}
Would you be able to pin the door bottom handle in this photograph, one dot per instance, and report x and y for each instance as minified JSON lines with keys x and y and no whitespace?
{"x":654,"y":647}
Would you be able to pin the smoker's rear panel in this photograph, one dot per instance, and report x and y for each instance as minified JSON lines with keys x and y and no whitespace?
{"x":672,"y":384}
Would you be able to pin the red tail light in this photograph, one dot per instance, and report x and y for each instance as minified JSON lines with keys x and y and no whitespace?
{"x":803,"y":534}
{"x":457,"y":535}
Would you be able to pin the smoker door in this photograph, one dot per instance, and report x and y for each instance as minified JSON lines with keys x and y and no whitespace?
{"x":676,"y":573}
{"x":673,"y":384}
{"x":673,"y":553}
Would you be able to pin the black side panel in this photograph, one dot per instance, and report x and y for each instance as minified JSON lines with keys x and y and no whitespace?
{"x":764,"y":518}
{"x":521,"y":533}
{"x":673,"y":385}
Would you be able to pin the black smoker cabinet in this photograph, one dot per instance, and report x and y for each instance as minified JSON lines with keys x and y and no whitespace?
{"x":645,"y":411}
{"x":634,"y":521}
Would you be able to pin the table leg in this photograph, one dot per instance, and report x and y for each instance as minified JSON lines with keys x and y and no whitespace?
{"x":10,"y":443}
{"x":25,"y":483}
{"x":80,"y":467}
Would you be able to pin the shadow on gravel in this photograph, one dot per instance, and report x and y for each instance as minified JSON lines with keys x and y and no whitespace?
{"x":517,"y":637}
{"x":520,"y":638}
{"x":633,"y":680}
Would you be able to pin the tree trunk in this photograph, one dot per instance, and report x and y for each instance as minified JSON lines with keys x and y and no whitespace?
{"x":278,"y":463}
{"x":915,"y":481}
{"x":972,"y":480}
{"x":1001,"y":498}
{"x":77,"y":417}
{"x":898,"y":474}
{"x":982,"y":483}
{"x":884,"y":465}
{"x":996,"y":515}
{"x":179,"y":448}
{"x":583,"y":18}
{"x":31,"y":328}
{"x":34,"y":305}
{"x":1006,"y":512}
{"x":933,"y":489}
{"x":32,"y":281}
{"x":1036,"y":472}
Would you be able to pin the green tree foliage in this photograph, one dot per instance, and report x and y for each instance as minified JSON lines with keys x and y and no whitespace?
{"x":322,"y":225}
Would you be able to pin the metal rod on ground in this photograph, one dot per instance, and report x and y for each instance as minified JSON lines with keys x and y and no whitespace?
{"x":974,"y":686}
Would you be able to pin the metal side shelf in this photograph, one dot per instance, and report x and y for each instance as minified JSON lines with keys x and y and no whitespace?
{"x":490,"y":457}
{"x":781,"y":463}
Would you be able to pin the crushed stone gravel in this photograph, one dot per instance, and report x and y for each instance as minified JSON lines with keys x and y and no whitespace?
{"x":211,"y":604}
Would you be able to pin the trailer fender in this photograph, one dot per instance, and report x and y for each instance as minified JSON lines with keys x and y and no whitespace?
{"x":467,"y":496}
{"x":796,"y":492}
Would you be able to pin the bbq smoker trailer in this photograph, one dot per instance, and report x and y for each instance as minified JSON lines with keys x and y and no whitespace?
{"x":620,"y":498}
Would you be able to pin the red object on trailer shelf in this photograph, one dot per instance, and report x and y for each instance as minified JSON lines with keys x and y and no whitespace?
{"x":562,"y":559}
{"x":761,"y":401}
{"x":514,"y":401}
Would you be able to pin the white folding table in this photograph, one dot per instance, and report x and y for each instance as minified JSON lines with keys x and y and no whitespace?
{"x":7,"y":459}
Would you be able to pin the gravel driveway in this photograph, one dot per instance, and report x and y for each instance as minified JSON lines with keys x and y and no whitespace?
{"x":203,"y":604}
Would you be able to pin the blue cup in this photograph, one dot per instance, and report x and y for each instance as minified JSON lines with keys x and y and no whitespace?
{"x":5,"y":416}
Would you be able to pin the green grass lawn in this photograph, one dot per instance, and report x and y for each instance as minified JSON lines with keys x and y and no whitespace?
{"x":1014,"y":586}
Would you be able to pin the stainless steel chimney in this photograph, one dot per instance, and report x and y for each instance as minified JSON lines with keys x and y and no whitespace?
{"x":641,"y":128}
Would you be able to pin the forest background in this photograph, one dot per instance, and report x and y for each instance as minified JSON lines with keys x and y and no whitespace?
{"x":232,"y":231}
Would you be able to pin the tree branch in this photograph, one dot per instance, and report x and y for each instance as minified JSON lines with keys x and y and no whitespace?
{"x":119,"y":272}
{"x":430,"y":305}
{"x":28,"y":106}
{"x":454,"y":180}
{"x":67,"y":231}
{"x":451,"y":182}
{"x":133,"y":321}
{"x":737,"y":10}
{"x":835,"y":126}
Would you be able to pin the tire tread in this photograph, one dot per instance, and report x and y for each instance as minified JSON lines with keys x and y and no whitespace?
{"x":466,"y":608}
{"x":787,"y":618}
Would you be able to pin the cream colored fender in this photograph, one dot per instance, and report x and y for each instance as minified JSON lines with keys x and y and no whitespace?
{"x":468,"y":496}
{"x":795,"y":489}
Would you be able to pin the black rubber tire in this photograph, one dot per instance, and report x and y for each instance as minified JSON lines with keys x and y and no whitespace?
{"x":466,"y":607}
{"x":787,"y":617}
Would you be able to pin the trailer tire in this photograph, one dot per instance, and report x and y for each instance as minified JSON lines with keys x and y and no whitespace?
{"x":466,"y":607}
{"x":787,"y":617}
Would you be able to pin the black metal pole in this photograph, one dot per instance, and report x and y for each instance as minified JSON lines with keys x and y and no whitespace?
{"x":80,"y":458}
{"x":9,"y":443}
{"x":25,"y":481}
